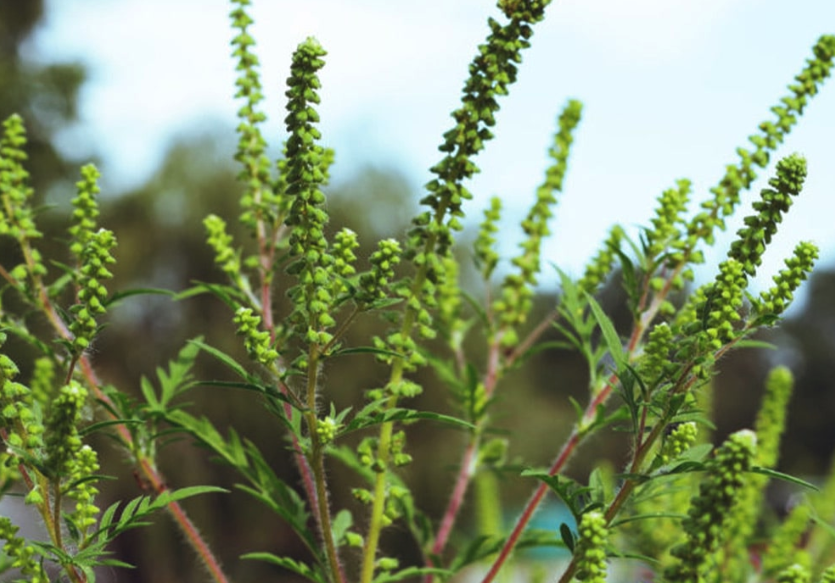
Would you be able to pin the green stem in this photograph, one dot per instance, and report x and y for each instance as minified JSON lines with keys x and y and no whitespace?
{"x":317,"y":464}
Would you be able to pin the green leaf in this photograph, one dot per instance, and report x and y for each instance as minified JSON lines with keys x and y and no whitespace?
{"x":785,"y":477}
{"x":411,"y":572}
{"x":225,"y":359}
{"x":139,"y":291}
{"x":567,"y":536}
{"x":365,"y":350}
{"x":297,"y":567}
{"x":361,"y":421}
{"x":610,"y":335}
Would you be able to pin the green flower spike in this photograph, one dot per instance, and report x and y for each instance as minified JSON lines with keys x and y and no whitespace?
{"x":601,"y":264}
{"x":655,"y":360}
{"x":85,"y":216}
{"x":794,"y":574}
{"x":345,"y":243}
{"x":307,"y":217}
{"x":486,"y":257}
{"x":777,"y":298}
{"x":785,"y":542}
{"x":62,"y":439}
{"x":769,"y":427}
{"x":258,"y":197}
{"x":92,"y":294}
{"x":828,"y":576}
{"x":18,"y":412}
{"x":14,"y":183}
{"x":679,"y":440}
{"x":374,"y":284}
{"x":226,"y":257}
{"x":665,"y":232}
{"x":590,"y":551}
{"x":706,"y":520}
{"x":742,"y":175}
{"x":516,"y":300}
{"x":775,"y":201}
{"x":23,"y":556}
{"x":256,"y":341}
{"x":84,"y":465}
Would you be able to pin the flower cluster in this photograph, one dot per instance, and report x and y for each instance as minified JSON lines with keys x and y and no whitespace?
{"x":677,"y":441}
{"x":374,"y":284}
{"x":777,"y":298}
{"x":655,"y":361}
{"x":739,"y":177}
{"x":590,"y":551}
{"x":226,"y":257}
{"x":307,"y":218}
{"x":486,"y":256}
{"x":516,"y":299}
{"x":23,"y":556}
{"x":665,"y":232}
{"x":345,"y":243}
{"x":20,"y":416}
{"x":600,"y":266}
{"x":710,"y":508}
{"x":258,"y":197}
{"x":256,"y":341}
{"x":14,"y":183}
{"x":92,"y":294}
{"x":61,"y":436}
{"x":784,"y":549}
{"x":760,"y":228}
{"x":83,"y":466}
{"x":85,"y":216}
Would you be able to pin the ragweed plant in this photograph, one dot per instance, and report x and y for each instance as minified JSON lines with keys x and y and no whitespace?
{"x":684,"y":510}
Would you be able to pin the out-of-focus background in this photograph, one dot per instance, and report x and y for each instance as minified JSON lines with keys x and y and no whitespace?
{"x":144,"y":88}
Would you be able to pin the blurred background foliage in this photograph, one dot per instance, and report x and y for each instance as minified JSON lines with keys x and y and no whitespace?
{"x":162,"y":245}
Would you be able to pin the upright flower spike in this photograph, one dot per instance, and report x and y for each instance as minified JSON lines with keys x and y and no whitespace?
{"x":707,"y":517}
{"x":600,"y":266}
{"x":769,"y":427}
{"x":85,"y":215}
{"x":307,"y":216}
{"x":62,"y":439}
{"x":226,"y":257}
{"x":516,"y":299}
{"x":740,"y":176}
{"x":24,"y":557}
{"x":665,"y":232}
{"x":258,"y":198}
{"x":777,"y":298}
{"x":14,"y":183}
{"x":92,"y":294}
{"x":590,"y":550}
{"x":486,"y":257}
{"x":492,"y":71}
{"x":256,"y":341}
{"x":775,"y":201}
{"x":784,"y":549}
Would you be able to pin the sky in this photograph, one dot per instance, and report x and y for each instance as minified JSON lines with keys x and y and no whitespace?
{"x":670,"y":89}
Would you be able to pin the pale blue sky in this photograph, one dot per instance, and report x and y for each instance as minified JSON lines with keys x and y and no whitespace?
{"x":670,"y":87}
